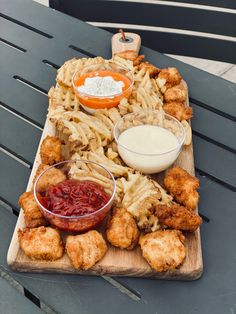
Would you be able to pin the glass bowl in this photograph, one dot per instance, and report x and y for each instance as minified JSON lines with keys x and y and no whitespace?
{"x":91,"y":102}
{"x":133,"y":153}
{"x":78,"y":170}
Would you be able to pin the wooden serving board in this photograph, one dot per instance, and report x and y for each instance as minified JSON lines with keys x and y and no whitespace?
{"x":116,"y":262}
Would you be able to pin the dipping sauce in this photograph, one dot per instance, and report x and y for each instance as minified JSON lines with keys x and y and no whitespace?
{"x":75,"y":198}
{"x":102,"y":89}
{"x":148,"y":148}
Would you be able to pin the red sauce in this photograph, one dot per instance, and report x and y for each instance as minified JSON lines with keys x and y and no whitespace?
{"x":75,"y":198}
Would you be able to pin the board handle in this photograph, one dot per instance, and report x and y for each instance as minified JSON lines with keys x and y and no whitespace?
{"x":132,"y":41}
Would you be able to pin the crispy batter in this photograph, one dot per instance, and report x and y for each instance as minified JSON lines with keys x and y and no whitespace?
{"x":51,"y":177}
{"x":153,"y":71}
{"x":131,"y":55}
{"x":182,"y":186}
{"x":122,"y":230}
{"x":178,"y":217}
{"x":163,"y":249}
{"x":171,"y":77}
{"x":177,"y":93}
{"x":85,"y":250}
{"x":50,"y":150}
{"x":32,"y":213}
{"x":178,"y":110}
{"x":42,"y":243}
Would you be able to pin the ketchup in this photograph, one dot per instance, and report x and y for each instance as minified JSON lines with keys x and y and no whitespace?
{"x":75,"y":198}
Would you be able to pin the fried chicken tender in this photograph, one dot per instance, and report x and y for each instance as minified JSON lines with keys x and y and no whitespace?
{"x":178,"y":110}
{"x":51,"y":177}
{"x":42,"y":243}
{"x":171,"y":77}
{"x":177,"y":93}
{"x":163,"y":249}
{"x":178,"y":217}
{"x":122,"y":230}
{"x":153,"y":71}
{"x":131,"y":55}
{"x":50,"y":150}
{"x":32,"y":213}
{"x":182,"y":186}
{"x":85,"y":250}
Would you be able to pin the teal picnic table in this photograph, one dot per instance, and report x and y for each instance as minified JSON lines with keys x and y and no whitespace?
{"x":35,"y":41}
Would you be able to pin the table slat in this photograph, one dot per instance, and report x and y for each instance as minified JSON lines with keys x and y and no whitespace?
{"x":13,"y":302}
{"x":205,"y":88}
{"x":13,"y":180}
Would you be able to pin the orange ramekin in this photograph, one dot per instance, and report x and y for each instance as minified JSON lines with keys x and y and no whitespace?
{"x":103,"y":69}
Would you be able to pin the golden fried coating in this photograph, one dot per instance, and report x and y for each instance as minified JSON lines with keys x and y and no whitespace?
{"x":122,"y":230}
{"x":51,"y":177}
{"x":42,"y":243}
{"x":138,"y":60}
{"x":85,"y":250}
{"x":153,"y":71}
{"x":32,"y":213}
{"x":171,"y":77}
{"x":50,"y":150}
{"x":182,"y":186}
{"x":177,"y":93}
{"x":163,"y":249}
{"x":178,"y":217}
{"x":131,"y":55}
{"x":178,"y":110}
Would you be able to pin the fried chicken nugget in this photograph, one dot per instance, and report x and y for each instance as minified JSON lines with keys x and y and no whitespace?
{"x":182,"y":186}
{"x":132,"y":56}
{"x":32,"y":213}
{"x":50,"y":150}
{"x":122,"y":230}
{"x":85,"y":250}
{"x":178,"y":217}
{"x":42,"y":243}
{"x":51,"y":177}
{"x":171,"y":77}
{"x":178,"y":110}
{"x":153,"y":71}
{"x":177,"y":93}
{"x":163,"y":249}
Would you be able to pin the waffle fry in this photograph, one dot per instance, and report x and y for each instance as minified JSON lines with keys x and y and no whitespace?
{"x":100,"y":157}
{"x":188,"y":130}
{"x":67,"y":70}
{"x":65,"y":97}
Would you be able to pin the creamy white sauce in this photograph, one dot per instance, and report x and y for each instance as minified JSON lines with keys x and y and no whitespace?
{"x":101,"y":86}
{"x":148,"y":139}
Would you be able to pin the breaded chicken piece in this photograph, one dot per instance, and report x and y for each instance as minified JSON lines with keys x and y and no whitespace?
{"x":182,"y":186}
{"x":171,"y":77}
{"x":177,"y":93}
{"x":178,"y":217}
{"x":132,"y":56}
{"x":178,"y":110}
{"x":42,"y":243}
{"x":85,"y":250}
{"x":32,"y":213}
{"x":153,"y":71}
{"x":122,"y":230}
{"x":50,"y":150}
{"x":163,"y":249}
{"x":51,"y":177}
